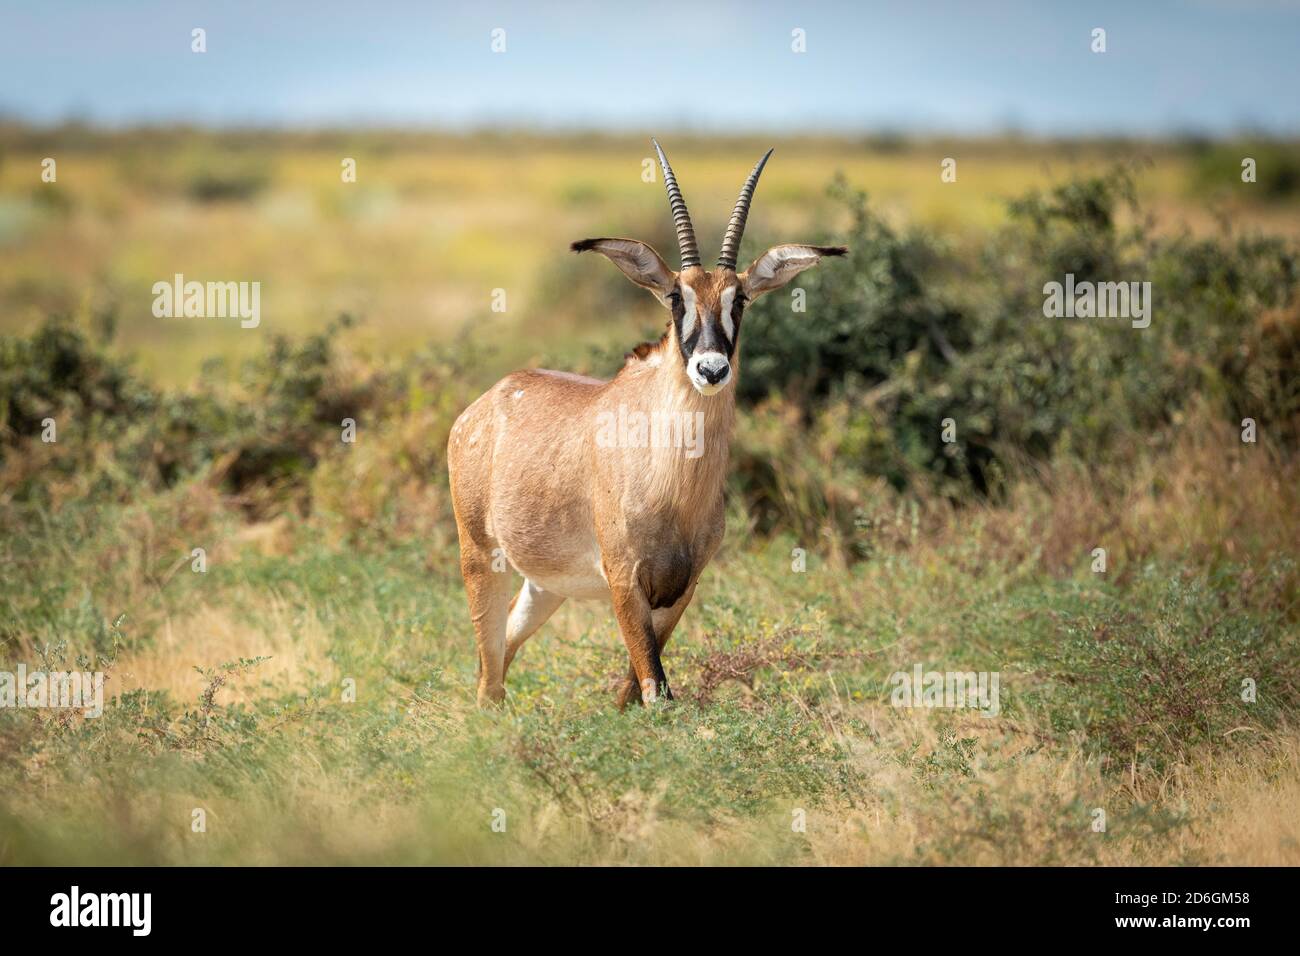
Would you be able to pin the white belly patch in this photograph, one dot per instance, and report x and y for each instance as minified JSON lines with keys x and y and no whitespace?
{"x":579,"y":587}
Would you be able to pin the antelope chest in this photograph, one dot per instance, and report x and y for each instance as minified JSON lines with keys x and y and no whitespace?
{"x":668,"y":558}
{"x":665,"y":573}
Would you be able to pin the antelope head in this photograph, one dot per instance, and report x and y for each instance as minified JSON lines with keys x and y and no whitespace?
{"x":707,"y":306}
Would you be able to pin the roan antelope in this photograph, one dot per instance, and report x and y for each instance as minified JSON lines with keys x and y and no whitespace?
{"x":541,"y":477}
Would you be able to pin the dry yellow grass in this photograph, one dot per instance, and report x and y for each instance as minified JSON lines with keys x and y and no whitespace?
{"x":295,"y":642}
{"x":434,"y":224}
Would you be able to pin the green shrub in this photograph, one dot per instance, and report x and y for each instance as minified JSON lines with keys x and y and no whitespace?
{"x":1277,"y":171}
{"x":905,"y":335}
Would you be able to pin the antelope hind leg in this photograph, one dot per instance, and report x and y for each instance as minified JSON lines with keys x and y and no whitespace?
{"x":488,"y":592}
{"x":529,"y":610}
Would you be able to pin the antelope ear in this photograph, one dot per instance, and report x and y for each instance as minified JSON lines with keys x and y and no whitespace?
{"x":780,"y":264}
{"x":638,"y":261}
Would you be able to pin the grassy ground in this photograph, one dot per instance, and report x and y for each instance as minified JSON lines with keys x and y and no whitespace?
{"x":310,"y":696}
{"x":1119,"y":691}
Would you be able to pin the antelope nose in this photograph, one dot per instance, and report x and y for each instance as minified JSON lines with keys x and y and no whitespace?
{"x":713,"y":369}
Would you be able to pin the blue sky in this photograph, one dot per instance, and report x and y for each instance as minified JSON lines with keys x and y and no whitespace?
{"x":1212,"y":66}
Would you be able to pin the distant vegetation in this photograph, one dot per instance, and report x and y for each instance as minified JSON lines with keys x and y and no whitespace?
{"x":896,"y":338}
{"x":435,"y":221}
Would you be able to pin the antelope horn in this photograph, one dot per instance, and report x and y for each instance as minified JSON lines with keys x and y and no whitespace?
{"x":690,"y":253}
{"x":736,"y":228}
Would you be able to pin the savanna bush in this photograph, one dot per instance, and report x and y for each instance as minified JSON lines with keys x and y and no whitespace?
{"x":119,"y":435}
{"x":902,"y":335}
{"x":847,"y":400}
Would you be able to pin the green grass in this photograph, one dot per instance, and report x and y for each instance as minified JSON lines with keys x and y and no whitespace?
{"x":783,"y":705}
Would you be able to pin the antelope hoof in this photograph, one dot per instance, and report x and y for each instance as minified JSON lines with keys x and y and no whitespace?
{"x":653,"y":692}
{"x":491,"y":696}
{"x":628,"y":694}
{"x":649,"y":691}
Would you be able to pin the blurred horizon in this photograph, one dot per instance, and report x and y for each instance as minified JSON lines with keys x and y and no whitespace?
{"x":20,"y":131}
{"x":1207,"y":69}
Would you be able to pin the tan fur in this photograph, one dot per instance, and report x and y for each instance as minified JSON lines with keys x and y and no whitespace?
{"x":535,"y":489}
{"x":580,"y":520}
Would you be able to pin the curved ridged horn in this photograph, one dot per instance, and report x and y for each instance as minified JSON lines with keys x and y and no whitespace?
{"x":736,"y":228}
{"x":690,"y":253}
